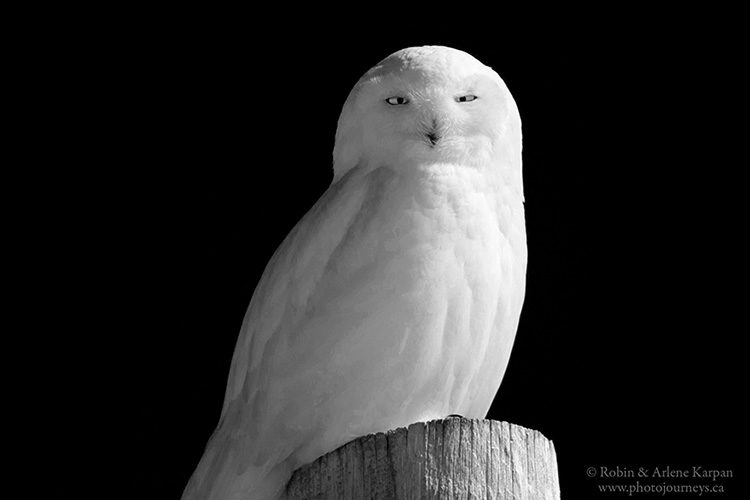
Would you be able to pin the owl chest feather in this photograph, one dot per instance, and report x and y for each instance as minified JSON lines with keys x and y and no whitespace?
{"x":424,"y":260}
{"x":406,"y":303}
{"x":417,"y":292}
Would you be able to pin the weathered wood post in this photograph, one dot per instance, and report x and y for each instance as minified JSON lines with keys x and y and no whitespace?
{"x":452,"y":458}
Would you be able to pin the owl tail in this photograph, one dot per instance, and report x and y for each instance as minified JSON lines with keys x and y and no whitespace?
{"x":220,"y":475}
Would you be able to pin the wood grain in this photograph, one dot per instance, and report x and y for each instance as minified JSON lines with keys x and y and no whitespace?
{"x":451,"y":458}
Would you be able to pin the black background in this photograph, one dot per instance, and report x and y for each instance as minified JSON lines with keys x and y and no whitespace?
{"x":219,"y":139}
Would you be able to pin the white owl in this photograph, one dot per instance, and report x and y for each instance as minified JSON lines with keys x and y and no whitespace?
{"x":397,"y":297}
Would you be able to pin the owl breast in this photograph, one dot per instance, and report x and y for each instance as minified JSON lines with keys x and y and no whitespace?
{"x":425,"y":285}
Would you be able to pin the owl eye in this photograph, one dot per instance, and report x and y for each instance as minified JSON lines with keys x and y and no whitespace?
{"x":395,"y":101}
{"x":466,"y":98}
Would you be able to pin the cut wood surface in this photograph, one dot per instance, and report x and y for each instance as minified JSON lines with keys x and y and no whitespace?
{"x":451,"y":458}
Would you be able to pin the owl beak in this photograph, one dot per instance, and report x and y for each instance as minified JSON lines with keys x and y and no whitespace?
{"x":433,"y":133}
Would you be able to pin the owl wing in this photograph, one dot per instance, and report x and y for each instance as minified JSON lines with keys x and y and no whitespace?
{"x":290,"y":281}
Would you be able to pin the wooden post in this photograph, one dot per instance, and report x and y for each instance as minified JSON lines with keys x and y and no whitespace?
{"x":451,"y":458}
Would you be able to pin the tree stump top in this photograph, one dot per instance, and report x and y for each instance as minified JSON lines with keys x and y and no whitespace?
{"x":451,"y":458}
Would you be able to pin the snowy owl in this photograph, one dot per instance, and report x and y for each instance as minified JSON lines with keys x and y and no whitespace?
{"x":396,"y":298}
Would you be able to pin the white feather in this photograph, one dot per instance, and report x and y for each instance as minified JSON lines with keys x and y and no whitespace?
{"x":397,"y":297}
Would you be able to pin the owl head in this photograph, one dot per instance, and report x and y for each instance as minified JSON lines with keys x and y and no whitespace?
{"x":429,"y":105}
